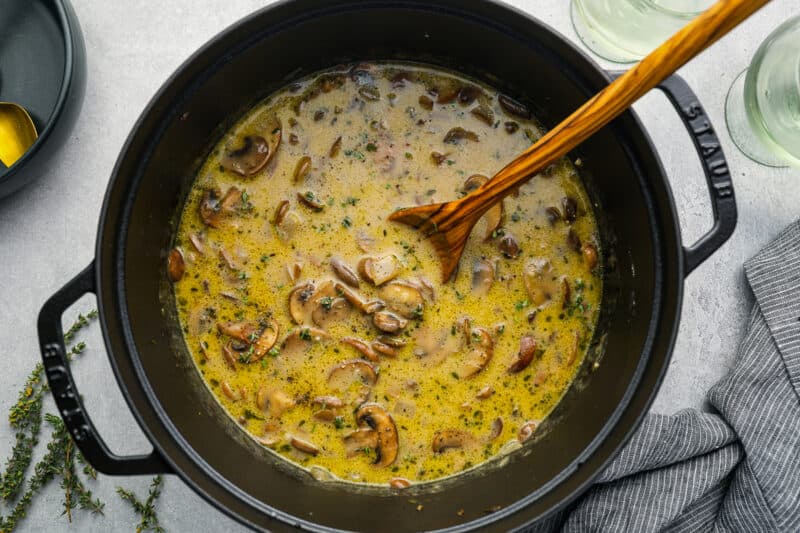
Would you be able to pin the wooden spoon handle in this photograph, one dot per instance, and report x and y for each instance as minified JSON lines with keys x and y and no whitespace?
{"x":613,"y":100}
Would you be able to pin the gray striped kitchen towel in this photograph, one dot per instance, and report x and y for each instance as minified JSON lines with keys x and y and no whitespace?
{"x":737,"y":469}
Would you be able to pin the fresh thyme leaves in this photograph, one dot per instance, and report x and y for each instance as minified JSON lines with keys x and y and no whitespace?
{"x":81,"y":322}
{"x":58,"y":461}
{"x":146,"y":510}
{"x":61,"y":460}
{"x":25,"y":416}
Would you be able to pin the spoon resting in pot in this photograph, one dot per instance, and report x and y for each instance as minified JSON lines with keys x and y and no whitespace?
{"x":449,"y":224}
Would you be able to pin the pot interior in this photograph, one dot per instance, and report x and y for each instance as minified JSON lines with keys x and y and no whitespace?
{"x":493,"y":44}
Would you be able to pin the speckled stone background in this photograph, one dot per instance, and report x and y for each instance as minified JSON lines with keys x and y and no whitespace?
{"x":47,"y":231}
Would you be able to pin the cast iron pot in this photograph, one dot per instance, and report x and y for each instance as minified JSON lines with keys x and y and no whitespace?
{"x":492,"y":42}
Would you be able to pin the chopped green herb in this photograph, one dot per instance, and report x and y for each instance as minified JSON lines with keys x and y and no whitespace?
{"x":372,"y":147}
{"x":346,"y":222}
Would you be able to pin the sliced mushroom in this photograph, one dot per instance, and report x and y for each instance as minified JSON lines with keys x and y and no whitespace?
{"x":176,"y":266}
{"x":346,"y":373}
{"x":483,"y":113}
{"x":328,"y":310}
{"x":494,"y":216}
{"x":370,"y":93}
{"x":527,"y":349}
{"x":298,"y":340}
{"x":438,"y":158}
{"x":344,"y":272}
{"x":301,"y":169}
{"x":485,"y":392}
{"x":379,"y":270}
{"x":266,"y":340}
{"x":229,"y":392}
{"x":200,"y":319}
{"x":197,"y":241}
{"x":336,"y":147}
{"x":360,"y":439}
{"x":260,"y":335}
{"x":255,"y":151}
{"x":574,"y":348}
{"x":357,"y":301}
{"x":304,"y":445}
{"x":365,"y":349}
{"x":394,"y":342}
{"x":589,"y":252}
{"x":497,"y":429}
{"x":477,"y":359}
{"x":293,"y":271}
{"x":249,"y":158}
{"x":228,"y":259}
{"x":573,"y":241}
{"x":426,"y":102}
{"x":328,"y":402}
{"x":384,"y":349}
{"x":288,"y":225}
{"x":509,"y":246}
{"x":301,"y":304}
{"x":512,"y":107}
{"x":541,"y":282}
{"x":275,"y":402}
{"x":434,"y":346}
{"x":214,"y":208}
{"x":553,"y":215}
{"x":482,"y":277}
{"x":310,"y":200}
{"x":388,"y":322}
{"x":450,"y":438}
{"x":376,"y":418}
{"x":425,"y":287}
{"x":399,"y":483}
{"x":569,"y":206}
{"x":404,"y":298}
{"x":458,"y":134}
{"x":280,"y":212}
{"x":527,"y":430}
{"x":229,"y":354}
{"x":364,"y":241}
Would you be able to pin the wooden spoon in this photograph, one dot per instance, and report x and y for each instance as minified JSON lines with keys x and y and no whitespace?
{"x":449,"y":224}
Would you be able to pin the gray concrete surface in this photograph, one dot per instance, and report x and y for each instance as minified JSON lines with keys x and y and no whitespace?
{"x":47,"y":231}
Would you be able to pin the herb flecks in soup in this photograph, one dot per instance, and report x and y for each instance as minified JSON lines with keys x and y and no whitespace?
{"x":322,"y":328}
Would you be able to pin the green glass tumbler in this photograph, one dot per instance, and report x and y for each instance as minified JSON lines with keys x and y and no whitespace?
{"x":762,"y":110}
{"x":624,"y":31}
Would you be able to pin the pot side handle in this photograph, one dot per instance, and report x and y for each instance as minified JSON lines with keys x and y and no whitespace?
{"x":715,"y":166}
{"x":65,"y":393}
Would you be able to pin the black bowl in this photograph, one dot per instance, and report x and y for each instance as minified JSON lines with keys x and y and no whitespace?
{"x":42,"y":68}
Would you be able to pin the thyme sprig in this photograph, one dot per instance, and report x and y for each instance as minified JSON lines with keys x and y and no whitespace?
{"x":25,"y":416}
{"x":61,"y":459}
{"x":146,"y":510}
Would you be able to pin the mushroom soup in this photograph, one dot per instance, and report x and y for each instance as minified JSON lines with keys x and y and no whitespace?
{"x":324,"y":330}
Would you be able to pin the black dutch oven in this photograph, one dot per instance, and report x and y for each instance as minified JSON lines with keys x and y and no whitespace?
{"x":191,"y":435}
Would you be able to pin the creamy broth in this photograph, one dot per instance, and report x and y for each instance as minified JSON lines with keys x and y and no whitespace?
{"x":325,"y":330}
